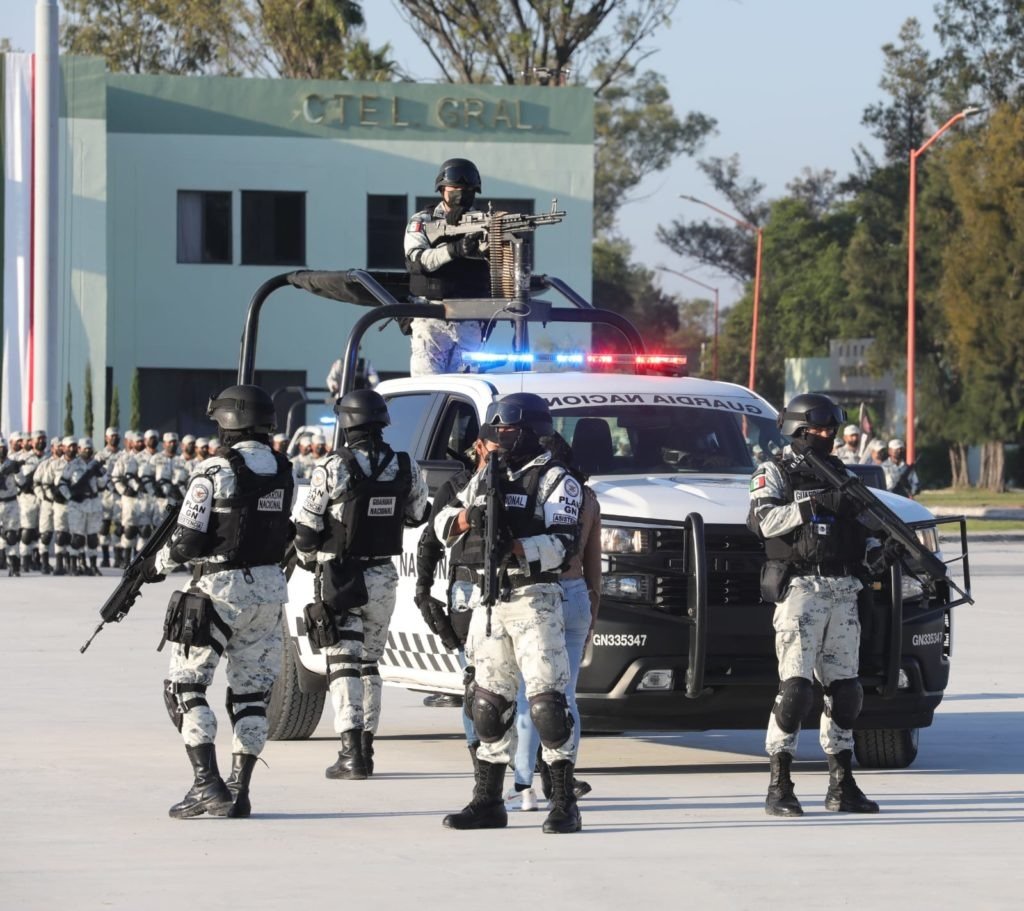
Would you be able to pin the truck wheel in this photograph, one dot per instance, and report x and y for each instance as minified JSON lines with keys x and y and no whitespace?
{"x":292,"y":714}
{"x":886,"y":749}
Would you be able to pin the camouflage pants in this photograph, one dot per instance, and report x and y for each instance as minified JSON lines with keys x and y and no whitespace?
{"x":69,"y":525}
{"x":437,"y":346}
{"x":527,"y":637}
{"x":10,"y":518}
{"x":254,"y":659}
{"x":352,"y":664}
{"x":28,"y":518}
{"x":817,"y":635}
{"x":111,"y":508}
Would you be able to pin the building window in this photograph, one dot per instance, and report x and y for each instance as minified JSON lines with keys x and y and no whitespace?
{"x":386,"y":218}
{"x":204,"y":226}
{"x":273,"y":228}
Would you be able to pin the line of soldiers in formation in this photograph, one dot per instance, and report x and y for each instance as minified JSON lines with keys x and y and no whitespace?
{"x":88,"y":508}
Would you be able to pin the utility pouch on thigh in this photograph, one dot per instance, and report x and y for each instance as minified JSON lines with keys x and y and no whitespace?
{"x":775,"y":576}
{"x":344,"y":587}
{"x":321,"y":627}
{"x":189,"y":620}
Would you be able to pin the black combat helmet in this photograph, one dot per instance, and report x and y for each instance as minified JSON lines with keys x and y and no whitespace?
{"x":521,"y":408}
{"x":810,"y":409}
{"x":458,"y":172}
{"x":361,"y":407}
{"x":243,"y":408}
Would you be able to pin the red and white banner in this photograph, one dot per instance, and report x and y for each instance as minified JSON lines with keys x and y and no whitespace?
{"x":17,"y":243}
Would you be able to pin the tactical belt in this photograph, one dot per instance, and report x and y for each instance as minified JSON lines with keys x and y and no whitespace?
{"x":824,"y":569}
{"x":468,"y":574}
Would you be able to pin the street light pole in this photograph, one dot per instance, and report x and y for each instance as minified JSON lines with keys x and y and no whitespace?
{"x":714,"y":344}
{"x":911,"y":276}
{"x":746,"y":225}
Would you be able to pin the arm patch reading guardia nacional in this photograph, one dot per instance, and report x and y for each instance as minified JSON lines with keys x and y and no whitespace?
{"x":195,"y":511}
{"x":316,"y":498}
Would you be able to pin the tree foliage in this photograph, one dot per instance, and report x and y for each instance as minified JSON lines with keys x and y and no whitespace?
{"x":88,"y":418}
{"x":69,"y":412}
{"x":114,"y":418}
{"x":135,"y":416}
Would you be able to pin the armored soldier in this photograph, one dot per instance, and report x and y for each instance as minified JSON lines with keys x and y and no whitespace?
{"x":446,"y":269}
{"x":28,"y":504}
{"x":68,"y":509}
{"x":900,"y":476}
{"x":816,"y":548}
{"x":303,"y":460}
{"x":170,"y":476}
{"x":110,"y":522}
{"x":43,"y":479}
{"x":317,"y":446}
{"x":202,"y":451}
{"x":125,"y":479}
{"x":848,"y":452}
{"x":348,"y":527}
{"x":90,"y":491}
{"x":233,"y":525}
{"x":523,"y":633}
{"x":9,"y":513}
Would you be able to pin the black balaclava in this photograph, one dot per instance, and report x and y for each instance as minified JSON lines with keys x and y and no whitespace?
{"x":459,"y":203}
{"x":803,"y":441}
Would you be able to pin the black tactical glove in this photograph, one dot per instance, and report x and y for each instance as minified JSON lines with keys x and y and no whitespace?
{"x":828,"y":501}
{"x":476,"y":516}
{"x":436,"y":618}
{"x":466,"y":247}
{"x":149,"y":571}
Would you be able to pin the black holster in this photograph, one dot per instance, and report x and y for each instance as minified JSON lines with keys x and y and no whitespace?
{"x":338,"y":587}
{"x":189,"y":621}
{"x":775,"y":575}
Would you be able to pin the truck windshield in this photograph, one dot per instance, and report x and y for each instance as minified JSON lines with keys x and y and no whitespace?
{"x":666,"y":439}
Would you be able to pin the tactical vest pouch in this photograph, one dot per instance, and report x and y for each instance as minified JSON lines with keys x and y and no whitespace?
{"x":344,"y":587}
{"x":189,"y":621}
{"x":321,"y":627}
{"x":775,"y":575}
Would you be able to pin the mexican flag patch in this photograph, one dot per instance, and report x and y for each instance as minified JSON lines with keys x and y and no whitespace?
{"x":757,"y":482}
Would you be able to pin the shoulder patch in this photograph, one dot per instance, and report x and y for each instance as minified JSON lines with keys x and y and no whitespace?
{"x":572,"y":487}
{"x":757,"y":482}
{"x":198,"y":506}
{"x":316,"y":497}
{"x":415,"y":227}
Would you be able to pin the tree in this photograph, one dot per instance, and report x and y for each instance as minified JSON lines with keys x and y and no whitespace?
{"x":135,"y":418}
{"x":88,"y":419}
{"x":69,"y":413}
{"x":981,"y":290}
{"x":114,"y":420}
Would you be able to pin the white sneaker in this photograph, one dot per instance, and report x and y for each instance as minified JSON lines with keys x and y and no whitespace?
{"x":524,"y":800}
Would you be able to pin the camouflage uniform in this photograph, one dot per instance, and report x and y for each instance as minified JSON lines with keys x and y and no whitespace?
{"x":69,"y":515}
{"x":249,"y":603}
{"x":527,"y":632}
{"x":28,"y":505}
{"x":355,"y":682}
{"x":9,"y":512}
{"x":110,"y":502}
{"x":43,"y":483}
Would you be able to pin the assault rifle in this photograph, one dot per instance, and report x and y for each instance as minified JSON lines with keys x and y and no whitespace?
{"x":121,"y":599}
{"x":493,"y":558}
{"x":487,"y":223}
{"x":80,"y":486}
{"x":9,"y":468}
{"x":925,"y":566}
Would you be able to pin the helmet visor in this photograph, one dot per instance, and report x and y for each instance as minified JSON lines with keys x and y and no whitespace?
{"x":499,"y":413}
{"x":821,"y":415}
{"x":457,"y":175}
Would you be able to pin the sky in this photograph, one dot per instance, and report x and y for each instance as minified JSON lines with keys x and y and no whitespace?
{"x":787,"y":81}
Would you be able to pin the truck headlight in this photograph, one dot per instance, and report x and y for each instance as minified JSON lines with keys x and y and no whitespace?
{"x":618,"y":540}
{"x":929,"y":538}
{"x":626,"y":588}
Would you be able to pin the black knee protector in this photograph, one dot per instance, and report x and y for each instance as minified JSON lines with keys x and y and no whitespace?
{"x":29,"y":535}
{"x":93,"y":541}
{"x":45,"y":538}
{"x":146,"y":531}
{"x":78,"y":542}
{"x":11,"y":536}
{"x":63,"y":538}
{"x":493,"y":715}
{"x":180,"y":698}
{"x":796,"y":698}
{"x":549,"y":713}
{"x":131,"y":532}
{"x":307,"y":539}
{"x":847,"y":701}
{"x":117,"y":529}
{"x":254,"y":704}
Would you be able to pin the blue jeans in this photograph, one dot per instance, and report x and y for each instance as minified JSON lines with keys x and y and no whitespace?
{"x":467,"y":722}
{"x":576,"y":609}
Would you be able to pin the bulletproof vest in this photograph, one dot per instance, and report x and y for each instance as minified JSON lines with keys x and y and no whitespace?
{"x":251,"y":528}
{"x":519,"y":500}
{"x":374,"y":508}
{"x":459,"y":278}
{"x":825,"y":541}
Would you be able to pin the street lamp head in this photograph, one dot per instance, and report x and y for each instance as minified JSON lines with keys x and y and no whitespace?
{"x":971,"y":110}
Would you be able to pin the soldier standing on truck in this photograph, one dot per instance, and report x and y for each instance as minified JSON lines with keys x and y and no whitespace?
{"x":815,"y":550}
{"x":348,"y":528}
{"x":448,"y":269}
{"x":233,"y":528}
{"x":523,"y":632}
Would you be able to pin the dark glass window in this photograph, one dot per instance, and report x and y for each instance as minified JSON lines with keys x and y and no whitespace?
{"x":204,"y":226}
{"x":273,"y":228}
{"x":386,"y":219}
{"x":407,"y":413}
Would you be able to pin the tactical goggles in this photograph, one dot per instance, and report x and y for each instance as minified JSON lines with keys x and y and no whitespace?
{"x":456,"y":176}
{"x":820,"y":415}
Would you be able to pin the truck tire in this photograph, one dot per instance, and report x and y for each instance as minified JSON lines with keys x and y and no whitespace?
{"x":292,"y":714}
{"x":886,"y":749}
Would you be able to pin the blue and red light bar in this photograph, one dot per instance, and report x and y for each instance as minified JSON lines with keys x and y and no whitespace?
{"x":674,"y":364}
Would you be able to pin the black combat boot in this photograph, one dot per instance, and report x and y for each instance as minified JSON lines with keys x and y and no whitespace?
{"x":94,"y":570}
{"x":118,"y":558}
{"x":74,"y":564}
{"x":3,"y":560}
{"x":105,"y":562}
{"x":237,"y":783}
{"x":60,"y":570}
{"x":486,"y":810}
{"x":350,"y":765}
{"x":15,"y":568}
{"x":208,"y":792}
{"x":565,"y":813}
{"x":45,"y":568}
{"x":37,"y":561}
{"x":473,"y":747}
{"x":368,"y":752}
{"x":781,"y":801}
{"x":843,"y":794}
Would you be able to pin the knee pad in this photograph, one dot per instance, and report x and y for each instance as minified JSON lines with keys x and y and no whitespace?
{"x":93,"y":541}
{"x":796,"y":696}
{"x":131,"y":532}
{"x":847,"y":700}
{"x":45,"y":538}
{"x":549,"y":713}
{"x":77,"y":542}
{"x":63,"y":538}
{"x":180,"y":698}
{"x":307,"y":539}
{"x":11,"y":536}
{"x":117,"y":529}
{"x":253,"y":704}
{"x":146,"y":531}
{"x":29,"y":535}
{"x":493,"y":715}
